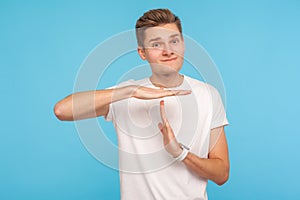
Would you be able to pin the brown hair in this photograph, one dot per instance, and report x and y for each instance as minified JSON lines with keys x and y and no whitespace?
{"x":152,"y":18}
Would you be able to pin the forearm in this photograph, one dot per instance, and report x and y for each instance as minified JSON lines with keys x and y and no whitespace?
{"x":214,"y":169}
{"x":83,"y":105}
{"x":90,"y":104}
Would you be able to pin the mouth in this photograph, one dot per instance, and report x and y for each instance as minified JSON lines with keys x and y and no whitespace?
{"x":169,"y":60}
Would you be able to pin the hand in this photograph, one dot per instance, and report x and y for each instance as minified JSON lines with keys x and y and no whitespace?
{"x":170,"y":142}
{"x":141,"y":92}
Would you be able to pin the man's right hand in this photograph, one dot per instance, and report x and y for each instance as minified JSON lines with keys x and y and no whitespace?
{"x":141,"y":92}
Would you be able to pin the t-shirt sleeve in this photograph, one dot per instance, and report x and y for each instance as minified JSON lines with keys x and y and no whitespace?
{"x":109,"y":115}
{"x":218,"y":111}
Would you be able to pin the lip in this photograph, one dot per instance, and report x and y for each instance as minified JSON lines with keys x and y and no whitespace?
{"x":168,"y":60}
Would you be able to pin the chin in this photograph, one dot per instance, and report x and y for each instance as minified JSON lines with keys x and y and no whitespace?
{"x":166,"y":69}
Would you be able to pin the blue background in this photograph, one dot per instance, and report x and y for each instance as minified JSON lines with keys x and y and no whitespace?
{"x":255,"y":45}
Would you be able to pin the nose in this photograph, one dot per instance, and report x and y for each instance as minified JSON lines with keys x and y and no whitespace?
{"x":167,"y":51}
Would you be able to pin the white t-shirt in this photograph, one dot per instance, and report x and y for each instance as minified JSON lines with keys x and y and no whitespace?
{"x":147,"y":171}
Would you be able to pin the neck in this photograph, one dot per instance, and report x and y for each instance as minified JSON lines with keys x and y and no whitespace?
{"x":167,"y":80}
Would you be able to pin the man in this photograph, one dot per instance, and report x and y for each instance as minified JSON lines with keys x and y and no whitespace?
{"x":191,"y":146}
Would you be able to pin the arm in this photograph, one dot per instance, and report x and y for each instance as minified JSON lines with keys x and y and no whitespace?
{"x":215,"y":167}
{"x":83,"y":105}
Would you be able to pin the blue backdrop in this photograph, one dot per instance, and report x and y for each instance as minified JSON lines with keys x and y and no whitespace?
{"x":255,"y":45}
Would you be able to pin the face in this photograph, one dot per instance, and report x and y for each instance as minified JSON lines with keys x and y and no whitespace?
{"x":163,"y":49}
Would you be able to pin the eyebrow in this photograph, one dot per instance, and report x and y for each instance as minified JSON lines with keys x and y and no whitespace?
{"x":158,"y":38}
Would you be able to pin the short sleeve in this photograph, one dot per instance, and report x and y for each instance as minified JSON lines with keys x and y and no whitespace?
{"x":109,"y":115}
{"x":218,"y":111}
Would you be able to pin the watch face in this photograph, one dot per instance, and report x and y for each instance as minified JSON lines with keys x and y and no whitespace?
{"x":185,"y":147}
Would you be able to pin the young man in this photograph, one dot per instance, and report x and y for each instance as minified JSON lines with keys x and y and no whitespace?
{"x":157,"y":117}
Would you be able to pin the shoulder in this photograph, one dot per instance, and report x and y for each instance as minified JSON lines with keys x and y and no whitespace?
{"x":196,"y":84}
{"x":204,"y":90}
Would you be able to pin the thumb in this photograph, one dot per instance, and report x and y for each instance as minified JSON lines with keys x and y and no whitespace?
{"x":160,"y":126}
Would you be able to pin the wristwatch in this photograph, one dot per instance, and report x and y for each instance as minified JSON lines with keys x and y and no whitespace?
{"x":184,"y":153}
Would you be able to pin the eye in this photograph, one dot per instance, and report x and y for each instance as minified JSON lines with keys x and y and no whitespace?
{"x":175,"y":41}
{"x":156,"y":45}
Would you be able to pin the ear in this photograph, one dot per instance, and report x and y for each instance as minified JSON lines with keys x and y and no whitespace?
{"x":141,"y":52}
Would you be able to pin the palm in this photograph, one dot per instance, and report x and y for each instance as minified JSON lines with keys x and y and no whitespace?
{"x":141,"y":92}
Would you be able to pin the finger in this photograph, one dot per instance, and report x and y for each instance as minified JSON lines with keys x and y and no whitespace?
{"x":184,"y":92}
{"x":160,"y":126}
{"x":167,"y":125}
{"x":179,"y":92}
{"x":162,"y":112}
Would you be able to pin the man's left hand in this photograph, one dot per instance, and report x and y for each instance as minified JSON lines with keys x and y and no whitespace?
{"x":170,"y":142}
